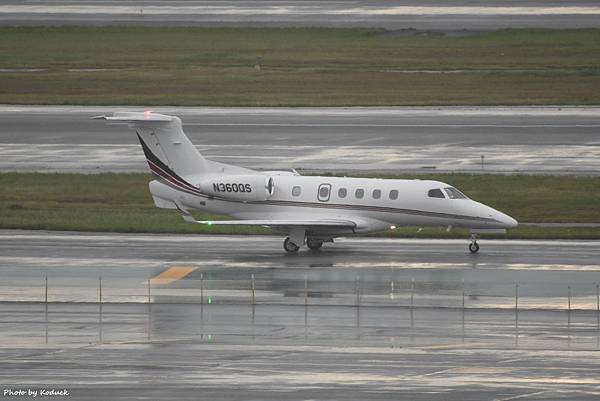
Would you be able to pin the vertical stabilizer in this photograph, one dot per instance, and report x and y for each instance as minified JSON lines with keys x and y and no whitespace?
{"x":164,"y":142}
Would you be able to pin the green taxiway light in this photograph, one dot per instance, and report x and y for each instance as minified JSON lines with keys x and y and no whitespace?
{"x":209,"y":300}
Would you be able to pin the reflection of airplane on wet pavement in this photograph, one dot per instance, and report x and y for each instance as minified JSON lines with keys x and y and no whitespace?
{"x":310,"y":209}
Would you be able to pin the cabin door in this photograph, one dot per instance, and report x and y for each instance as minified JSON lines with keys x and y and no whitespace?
{"x":324,"y":192}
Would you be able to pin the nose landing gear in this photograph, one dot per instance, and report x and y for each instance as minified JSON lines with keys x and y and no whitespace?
{"x":474,"y":246}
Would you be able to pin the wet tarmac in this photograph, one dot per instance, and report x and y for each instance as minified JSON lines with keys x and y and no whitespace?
{"x":232,"y":317}
{"x":552,"y":140}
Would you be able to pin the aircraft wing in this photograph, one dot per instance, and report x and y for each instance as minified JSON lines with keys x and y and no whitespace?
{"x":280,"y":223}
{"x":324,"y":223}
{"x":308,"y":223}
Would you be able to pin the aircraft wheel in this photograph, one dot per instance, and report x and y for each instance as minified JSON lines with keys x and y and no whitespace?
{"x":474,"y":247}
{"x":289,"y":246}
{"x":314,"y":244}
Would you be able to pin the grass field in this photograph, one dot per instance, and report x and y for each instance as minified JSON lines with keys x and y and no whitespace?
{"x":122,"y":203}
{"x":317,"y":67}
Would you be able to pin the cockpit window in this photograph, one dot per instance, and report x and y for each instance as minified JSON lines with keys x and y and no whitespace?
{"x":435,"y":193}
{"x":454,"y":193}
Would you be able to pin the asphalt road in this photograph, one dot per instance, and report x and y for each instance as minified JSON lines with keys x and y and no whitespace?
{"x":294,"y":342}
{"x":558,"y":140}
{"x":396,"y":14}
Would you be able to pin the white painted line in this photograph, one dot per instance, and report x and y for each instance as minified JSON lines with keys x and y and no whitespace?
{"x":460,"y":156}
{"x":298,"y":10}
{"x":509,"y":111}
{"x":396,"y":125}
{"x":20,"y":235}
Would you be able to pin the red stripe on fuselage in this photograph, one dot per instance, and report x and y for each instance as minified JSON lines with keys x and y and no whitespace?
{"x":184,"y":186}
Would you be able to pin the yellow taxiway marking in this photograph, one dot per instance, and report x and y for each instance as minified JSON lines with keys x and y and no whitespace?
{"x":173,"y":273}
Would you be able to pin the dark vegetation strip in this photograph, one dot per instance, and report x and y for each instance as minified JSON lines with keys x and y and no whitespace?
{"x":294,"y":67}
{"x":122,"y":203}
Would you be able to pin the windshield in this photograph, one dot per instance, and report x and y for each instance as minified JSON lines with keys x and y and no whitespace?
{"x":435,"y":193}
{"x":454,"y":193}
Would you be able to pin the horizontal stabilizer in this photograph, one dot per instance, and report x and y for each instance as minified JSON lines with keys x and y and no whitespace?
{"x":136,"y":117}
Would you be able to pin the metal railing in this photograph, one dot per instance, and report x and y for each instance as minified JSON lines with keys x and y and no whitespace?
{"x":255,"y":290}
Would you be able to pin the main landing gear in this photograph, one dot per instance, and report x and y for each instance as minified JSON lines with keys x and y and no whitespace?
{"x":474,"y":246}
{"x":313,"y":244}
{"x":289,"y":246}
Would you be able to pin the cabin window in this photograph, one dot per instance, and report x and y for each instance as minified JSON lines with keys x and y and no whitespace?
{"x":454,"y":193}
{"x":359,"y":193}
{"x":324,"y":192}
{"x":296,"y":191}
{"x":342,"y":192}
{"x":376,"y":193}
{"x":394,"y":194}
{"x":435,"y":193}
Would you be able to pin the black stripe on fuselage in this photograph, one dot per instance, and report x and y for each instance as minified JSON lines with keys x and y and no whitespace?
{"x":163,"y":171}
{"x":173,"y":181}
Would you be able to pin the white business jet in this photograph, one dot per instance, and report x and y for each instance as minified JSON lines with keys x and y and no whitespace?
{"x":310,"y":209}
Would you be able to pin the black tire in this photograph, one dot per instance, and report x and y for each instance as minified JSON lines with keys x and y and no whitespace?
{"x":474,"y":247}
{"x":314,"y":244}
{"x":289,"y":246}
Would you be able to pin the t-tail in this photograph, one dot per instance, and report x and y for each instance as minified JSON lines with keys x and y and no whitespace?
{"x":163,"y":142}
{"x":171,"y":156}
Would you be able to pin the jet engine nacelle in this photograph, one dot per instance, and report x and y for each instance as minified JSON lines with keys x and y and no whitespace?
{"x":239,"y":187}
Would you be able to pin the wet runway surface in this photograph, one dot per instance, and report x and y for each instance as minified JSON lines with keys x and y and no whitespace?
{"x":297,"y":353}
{"x":220,"y":317}
{"x":440,"y":15}
{"x":563,"y":140}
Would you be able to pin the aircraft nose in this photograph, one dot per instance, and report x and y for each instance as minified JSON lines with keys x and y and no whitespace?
{"x":498,"y":219}
{"x":507,"y":221}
